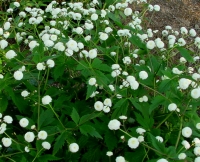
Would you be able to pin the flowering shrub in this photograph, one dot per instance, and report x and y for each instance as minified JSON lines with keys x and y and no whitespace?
{"x":79,"y":82}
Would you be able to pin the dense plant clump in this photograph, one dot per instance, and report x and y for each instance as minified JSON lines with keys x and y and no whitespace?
{"x":88,"y":82}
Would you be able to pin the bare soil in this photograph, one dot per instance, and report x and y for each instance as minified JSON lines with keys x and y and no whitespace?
{"x":176,"y":13}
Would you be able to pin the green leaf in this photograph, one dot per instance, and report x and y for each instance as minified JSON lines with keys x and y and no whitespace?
{"x":156,"y":144}
{"x":88,"y":129}
{"x":82,"y":65}
{"x":121,"y":110}
{"x":185,"y":53}
{"x":88,"y":117}
{"x":110,"y":140}
{"x":101,"y":78}
{"x":90,"y":90}
{"x":58,"y":71}
{"x":45,"y":118}
{"x":48,"y":157}
{"x":135,"y":40}
{"x":60,"y":141}
{"x":20,"y":103}
{"x":165,"y":85}
{"x":97,"y":63}
{"x":75,"y":116}
{"x":158,"y":100}
{"x":115,"y":18}
{"x":3,"y":103}
{"x":136,"y":155}
{"x":38,"y":52}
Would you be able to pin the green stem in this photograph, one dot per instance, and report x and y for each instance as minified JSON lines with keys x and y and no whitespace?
{"x":38,"y":122}
{"x":46,"y":79}
{"x":164,"y":119}
{"x":179,"y":134}
{"x":125,"y":133}
{"x":153,"y":149}
{"x":37,"y":155}
{"x":56,"y":116}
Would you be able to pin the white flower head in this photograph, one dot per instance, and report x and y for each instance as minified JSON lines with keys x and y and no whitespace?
{"x":172,"y":107}
{"x":23,"y":122}
{"x":92,"y":81}
{"x":143,"y":75}
{"x":197,"y":159}
{"x":162,"y":160}
{"x":92,"y":53}
{"x":10,"y":54}
{"x":103,"y":36}
{"x":109,"y":153}
{"x":50,"y":63}
{"x":182,"y":156}
{"x":42,"y":134}
{"x":186,"y":144}
{"x":140,"y":131}
{"x":156,"y":8}
{"x":184,"y":83}
{"x":133,"y":143}
{"x":187,"y":132}
{"x":114,"y":124}
{"x":159,"y":138}
{"x":46,"y":145}
{"x":198,"y":125}
{"x":73,"y":147}
{"x":107,"y":102}
{"x":98,"y":106}
{"x":18,"y":75}
{"x":195,"y":93}
{"x":72,"y":44}
{"x":26,"y":149}
{"x":6,"y":141}
{"x":94,"y":17}
{"x":150,"y":44}
{"x":29,"y":136}
{"x":24,"y":93}
{"x":40,"y":66}
{"x":120,"y":159}
{"x":46,"y":100}
{"x":127,"y":11}
{"x":7,"y":25}
{"x":3,"y":44}
{"x":8,"y":119}
{"x":197,"y":151}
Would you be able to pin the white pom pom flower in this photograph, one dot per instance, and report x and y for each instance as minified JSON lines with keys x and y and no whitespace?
{"x":73,"y":147}
{"x":187,"y":132}
{"x":114,"y":124}
{"x":29,"y":136}
{"x":46,"y":100}
{"x":23,"y":122}
{"x":133,"y":143}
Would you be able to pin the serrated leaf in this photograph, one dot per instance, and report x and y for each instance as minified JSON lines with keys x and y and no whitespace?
{"x":116,"y":19}
{"x":75,"y":116}
{"x":165,"y":85}
{"x":60,"y":141}
{"x":156,"y":144}
{"x":122,"y":110}
{"x":88,"y":129}
{"x":48,"y":157}
{"x":97,"y":63}
{"x":88,"y":117}
{"x":38,"y":52}
{"x":90,"y":90}
{"x":158,"y":100}
{"x":46,"y":118}
{"x":110,"y":140}
{"x":82,"y":65}
{"x":185,"y":53}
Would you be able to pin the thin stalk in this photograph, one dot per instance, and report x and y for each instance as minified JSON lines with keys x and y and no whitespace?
{"x":179,"y":134}
{"x":38,"y":122}
{"x":56,"y":116}
{"x":164,"y":119}
{"x":46,"y":79}
{"x":37,"y":155}
{"x":125,"y":133}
